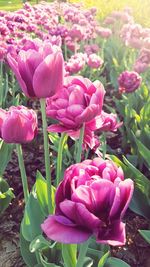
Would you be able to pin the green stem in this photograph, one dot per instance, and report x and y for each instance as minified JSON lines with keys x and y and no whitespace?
{"x":104,"y":144}
{"x":47,"y":157}
{"x":65,"y":51}
{"x":59,"y":157}
{"x":79,"y":152}
{"x":82,"y":253}
{"x":23,"y":172}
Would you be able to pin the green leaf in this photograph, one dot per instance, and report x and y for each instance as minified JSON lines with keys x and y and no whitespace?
{"x":39,"y":243}
{"x":114,"y":262}
{"x":143,"y":150}
{"x":145,"y":234}
{"x":95,"y":253}
{"x":28,"y":257}
{"x":69,"y":252}
{"x":5,"y":155}
{"x":88,"y":262}
{"x":6,"y":195}
{"x":139,"y":204}
{"x":103,"y":259}
{"x":118,"y":162}
{"x":142,"y":183}
{"x":47,"y":264}
{"x":33,"y":218}
{"x":41,"y":190}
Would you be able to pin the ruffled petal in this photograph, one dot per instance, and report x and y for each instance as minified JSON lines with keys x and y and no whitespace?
{"x":78,"y":213}
{"x":113,"y":235}
{"x":62,"y":230}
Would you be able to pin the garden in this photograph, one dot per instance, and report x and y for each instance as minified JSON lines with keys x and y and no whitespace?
{"x":74,"y":134}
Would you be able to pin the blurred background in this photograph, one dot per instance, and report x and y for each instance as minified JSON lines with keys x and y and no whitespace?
{"x":141,"y":8}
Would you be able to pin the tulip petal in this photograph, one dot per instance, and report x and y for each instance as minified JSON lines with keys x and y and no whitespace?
{"x":62,"y":230}
{"x":103,"y":192}
{"x":27,"y":63}
{"x":75,"y":109}
{"x":3,"y":114}
{"x":79,"y":214}
{"x":113,"y":235}
{"x":77,"y":97}
{"x":82,"y":194}
{"x":88,"y":114}
{"x":56,"y":128}
{"x":14,"y":66}
{"x":48,"y":77}
{"x":122,"y":199}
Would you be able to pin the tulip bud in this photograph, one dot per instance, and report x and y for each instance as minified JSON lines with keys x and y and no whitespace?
{"x":18,"y":125}
{"x":129,"y":81}
{"x":38,"y":70}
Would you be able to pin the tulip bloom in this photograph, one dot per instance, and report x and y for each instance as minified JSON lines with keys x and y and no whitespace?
{"x":39,"y":70}
{"x":18,"y":125}
{"x":79,"y":102}
{"x":105,"y":122}
{"x":91,"y":200}
{"x":129,"y":81}
{"x":94,"y":61}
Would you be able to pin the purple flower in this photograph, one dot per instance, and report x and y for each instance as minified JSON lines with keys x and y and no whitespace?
{"x":18,"y":125}
{"x":78,"y":102}
{"x":94,"y":61}
{"x":39,"y":69}
{"x":91,"y":200}
{"x":105,"y":122}
{"x":129,"y":81}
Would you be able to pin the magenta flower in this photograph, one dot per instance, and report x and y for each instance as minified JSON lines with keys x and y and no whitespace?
{"x":77,"y":32}
{"x":78,"y":102}
{"x":39,"y":70}
{"x":129,"y":81}
{"x":103,"y":32}
{"x":105,"y":122}
{"x":94,"y":61}
{"x":91,"y":200}
{"x":75,"y":63}
{"x":18,"y":125}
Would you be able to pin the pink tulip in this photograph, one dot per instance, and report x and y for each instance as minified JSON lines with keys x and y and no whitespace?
{"x":107,"y":122}
{"x":77,"y":32}
{"x":18,"y":125}
{"x":129,"y":81}
{"x":91,"y":200}
{"x":143,"y":61}
{"x":39,"y":70}
{"x":94,"y":61}
{"x":78,"y":102}
{"x":90,"y":49}
{"x":75,"y":63}
{"x":104,"y":32}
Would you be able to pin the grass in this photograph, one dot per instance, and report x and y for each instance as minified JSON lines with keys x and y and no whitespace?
{"x":12,"y":5}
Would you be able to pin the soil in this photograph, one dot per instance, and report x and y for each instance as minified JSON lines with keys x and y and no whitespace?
{"x":136,"y":252}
